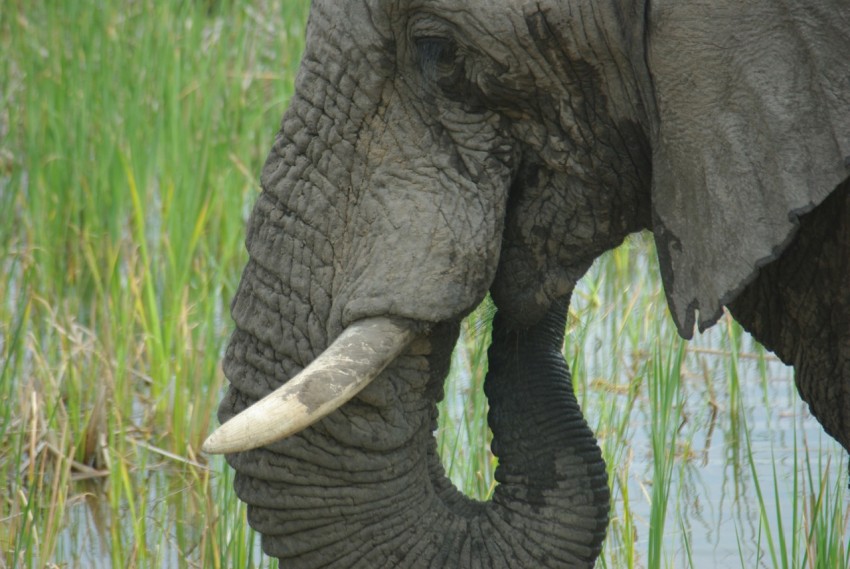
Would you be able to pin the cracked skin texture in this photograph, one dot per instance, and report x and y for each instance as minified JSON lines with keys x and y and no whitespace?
{"x":429,"y":156}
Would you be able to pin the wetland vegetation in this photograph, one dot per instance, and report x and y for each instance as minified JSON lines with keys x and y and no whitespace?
{"x":131,"y":140}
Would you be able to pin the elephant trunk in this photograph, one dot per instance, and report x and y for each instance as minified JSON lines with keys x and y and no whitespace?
{"x":365,"y":487}
{"x":553,"y":485}
{"x":351,"y":225}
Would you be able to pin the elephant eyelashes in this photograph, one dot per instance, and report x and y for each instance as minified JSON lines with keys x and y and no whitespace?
{"x":437,"y":57}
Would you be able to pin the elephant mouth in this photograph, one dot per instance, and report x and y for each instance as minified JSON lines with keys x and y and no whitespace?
{"x":355,"y":359}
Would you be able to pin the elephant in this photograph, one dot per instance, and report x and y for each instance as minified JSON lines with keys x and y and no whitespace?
{"x":436,"y":151}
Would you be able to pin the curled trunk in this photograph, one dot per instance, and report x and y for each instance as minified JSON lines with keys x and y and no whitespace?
{"x":365,"y":487}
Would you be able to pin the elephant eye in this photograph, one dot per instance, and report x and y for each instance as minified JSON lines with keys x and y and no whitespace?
{"x":442,"y":63}
{"x":437,"y":57}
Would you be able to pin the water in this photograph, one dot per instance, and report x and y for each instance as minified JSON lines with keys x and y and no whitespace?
{"x":716,"y":509}
{"x":748,"y":454}
{"x":742,"y":429}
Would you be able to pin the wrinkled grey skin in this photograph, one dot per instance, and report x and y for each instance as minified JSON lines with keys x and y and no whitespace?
{"x":437,"y":150}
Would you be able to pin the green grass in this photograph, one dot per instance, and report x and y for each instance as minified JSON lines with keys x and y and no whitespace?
{"x":131,"y":137}
{"x":712,"y":457}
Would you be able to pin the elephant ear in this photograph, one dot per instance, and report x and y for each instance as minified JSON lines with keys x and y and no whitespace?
{"x":752,"y":131}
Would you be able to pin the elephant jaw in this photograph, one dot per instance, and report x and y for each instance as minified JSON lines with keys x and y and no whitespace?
{"x":352,"y":362}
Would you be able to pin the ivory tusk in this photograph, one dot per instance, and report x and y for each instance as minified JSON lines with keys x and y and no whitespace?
{"x":348,"y":365}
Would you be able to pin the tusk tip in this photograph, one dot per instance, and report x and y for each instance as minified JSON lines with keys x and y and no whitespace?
{"x":237,"y":434}
{"x":213,"y":444}
{"x":229,"y":438}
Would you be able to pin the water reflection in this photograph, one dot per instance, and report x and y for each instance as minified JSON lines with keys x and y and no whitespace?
{"x":748,"y":453}
{"x":748,"y":456}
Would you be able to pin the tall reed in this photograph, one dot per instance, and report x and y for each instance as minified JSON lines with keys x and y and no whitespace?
{"x":132,"y":136}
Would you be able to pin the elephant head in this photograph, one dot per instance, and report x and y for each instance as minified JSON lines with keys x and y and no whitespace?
{"x":435,"y":151}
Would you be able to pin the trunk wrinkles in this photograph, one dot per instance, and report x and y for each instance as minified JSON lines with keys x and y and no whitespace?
{"x":365,"y":487}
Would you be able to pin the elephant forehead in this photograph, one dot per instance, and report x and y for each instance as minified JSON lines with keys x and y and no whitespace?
{"x":496,"y":23}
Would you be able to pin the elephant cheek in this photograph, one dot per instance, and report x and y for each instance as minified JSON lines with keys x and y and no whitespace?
{"x":421,"y":254}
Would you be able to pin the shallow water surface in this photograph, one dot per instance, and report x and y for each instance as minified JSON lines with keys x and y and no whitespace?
{"x":749,"y":468}
{"x":751,"y":472}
